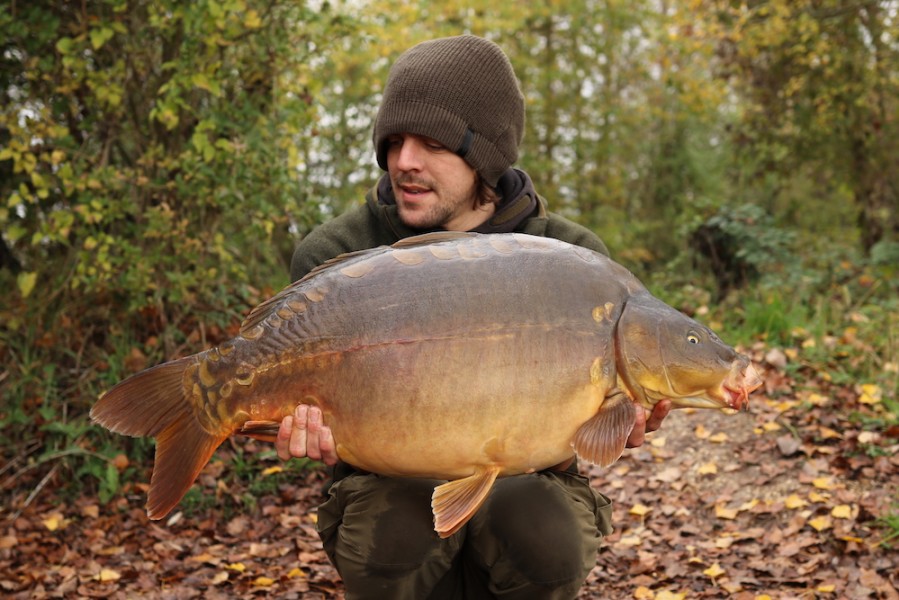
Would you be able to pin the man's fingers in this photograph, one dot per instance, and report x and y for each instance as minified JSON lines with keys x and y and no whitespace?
{"x":659,"y":412}
{"x":329,"y":451}
{"x":638,"y":433}
{"x":282,"y":442}
{"x":298,"y":435}
{"x":313,"y":433}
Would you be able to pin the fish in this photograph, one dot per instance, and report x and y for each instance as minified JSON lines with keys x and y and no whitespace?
{"x":461,"y":357}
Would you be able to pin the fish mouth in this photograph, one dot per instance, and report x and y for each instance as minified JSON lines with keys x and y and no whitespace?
{"x":741,"y":382}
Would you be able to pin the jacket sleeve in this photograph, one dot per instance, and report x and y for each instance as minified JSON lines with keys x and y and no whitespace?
{"x":568,"y":231}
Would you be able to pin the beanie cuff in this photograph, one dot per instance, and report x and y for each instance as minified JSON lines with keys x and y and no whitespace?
{"x":437,"y":123}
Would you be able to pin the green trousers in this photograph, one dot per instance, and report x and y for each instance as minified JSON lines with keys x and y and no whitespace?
{"x":535,"y":537}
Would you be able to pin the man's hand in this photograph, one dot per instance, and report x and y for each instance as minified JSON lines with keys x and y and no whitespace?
{"x":648,"y":421}
{"x":304,"y":435}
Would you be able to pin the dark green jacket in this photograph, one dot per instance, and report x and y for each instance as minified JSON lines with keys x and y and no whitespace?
{"x":377,"y":223}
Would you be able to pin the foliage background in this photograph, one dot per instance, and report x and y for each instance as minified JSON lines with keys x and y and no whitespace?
{"x":159,"y":159}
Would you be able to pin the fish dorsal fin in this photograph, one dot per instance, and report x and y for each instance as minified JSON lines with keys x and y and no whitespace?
{"x":602,"y":439}
{"x":263,"y":310}
{"x":455,"y":502}
{"x":433,"y":238}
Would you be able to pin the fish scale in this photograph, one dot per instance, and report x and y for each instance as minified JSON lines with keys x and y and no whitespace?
{"x":460,"y":357}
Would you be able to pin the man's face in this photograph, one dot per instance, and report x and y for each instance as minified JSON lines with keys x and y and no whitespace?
{"x":433,"y":186}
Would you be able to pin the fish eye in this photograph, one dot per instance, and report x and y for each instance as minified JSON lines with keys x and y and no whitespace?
{"x":692,"y":338}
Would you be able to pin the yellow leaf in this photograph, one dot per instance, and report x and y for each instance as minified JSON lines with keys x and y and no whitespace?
{"x":701,"y":432}
{"x":817,"y":399}
{"x":714,"y":571}
{"x":842,"y":511}
{"x":108,"y":575}
{"x":238,"y":566}
{"x":722,"y":512}
{"x":793,"y":502}
{"x":295,"y":572}
{"x":871,"y":394}
{"x":658,"y":442}
{"x":272,"y":470}
{"x":55,"y":521}
{"x":749,"y":505}
{"x":263,"y":581}
{"x":252,"y":20}
{"x":816,"y":497}
{"x":640,"y":510}
{"x":26,"y":282}
{"x":630,"y":540}
{"x":823,"y":483}
{"x":763,"y":597}
{"x":719,"y":438}
{"x":828,"y":434}
{"x":666,"y":595}
{"x":644,"y":593}
{"x":771,"y":426}
{"x":708,"y":469}
{"x":821,"y":523}
{"x":826,"y":588}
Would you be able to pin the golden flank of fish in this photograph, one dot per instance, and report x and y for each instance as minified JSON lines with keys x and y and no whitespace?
{"x":462,"y":357}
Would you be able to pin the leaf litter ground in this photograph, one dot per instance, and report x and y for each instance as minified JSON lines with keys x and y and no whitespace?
{"x":779,"y":502}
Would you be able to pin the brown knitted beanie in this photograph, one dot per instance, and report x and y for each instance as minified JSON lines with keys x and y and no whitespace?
{"x":460,"y":91}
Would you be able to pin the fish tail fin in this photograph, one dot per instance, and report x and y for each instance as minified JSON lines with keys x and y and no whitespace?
{"x":153,"y":403}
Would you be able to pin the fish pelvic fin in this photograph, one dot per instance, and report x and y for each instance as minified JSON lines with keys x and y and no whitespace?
{"x":455,"y":502}
{"x":266,"y":431}
{"x":602,"y":439}
{"x":153,"y":403}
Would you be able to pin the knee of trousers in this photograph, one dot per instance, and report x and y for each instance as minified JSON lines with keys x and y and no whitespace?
{"x":383,"y":526}
{"x":541,"y":528}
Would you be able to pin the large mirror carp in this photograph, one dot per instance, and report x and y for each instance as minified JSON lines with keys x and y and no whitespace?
{"x":461,"y":357}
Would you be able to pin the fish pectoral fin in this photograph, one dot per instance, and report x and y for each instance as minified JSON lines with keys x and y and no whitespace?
{"x":455,"y":502}
{"x":267,"y":431}
{"x":602,"y":439}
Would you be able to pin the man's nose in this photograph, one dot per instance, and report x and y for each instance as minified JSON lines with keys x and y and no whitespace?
{"x":410,"y":155}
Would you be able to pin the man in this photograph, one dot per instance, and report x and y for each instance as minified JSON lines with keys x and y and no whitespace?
{"x":447,"y":133}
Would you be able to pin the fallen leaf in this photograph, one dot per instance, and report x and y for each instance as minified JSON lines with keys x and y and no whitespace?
{"x":630,"y":540}
{"x":55,"y":521}
{"x":108,"y":575}
{"x":842,"y":511}
{"x":644,"y":593}
{"x":8,"y":541}
{"x":871,"y":394}
{"x":263,"y":581}
{"x":220,"y":578}
{"x":793,"y":502}
{"x":238,"y":566}
{"x":722,"y":512}
{"x":272,"y":470}
{"x":823,"y":483}
{"x":666,"y":595}
{"x":821,"y":523}
{"x":640,"y":510}
{"x":708,"y":469}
